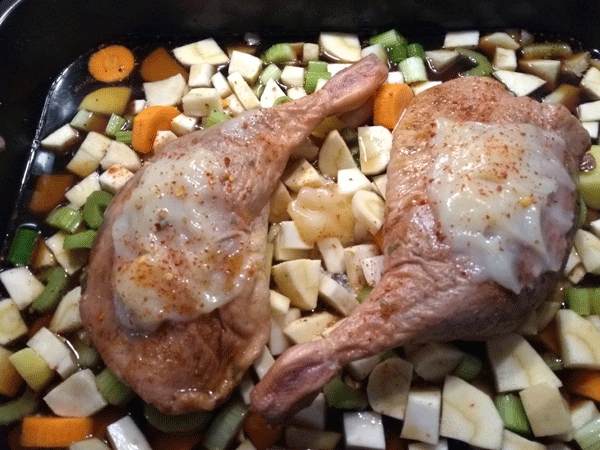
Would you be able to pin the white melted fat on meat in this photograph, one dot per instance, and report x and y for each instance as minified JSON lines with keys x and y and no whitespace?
{"x":495,"y":188}
{"x":179,"y":251}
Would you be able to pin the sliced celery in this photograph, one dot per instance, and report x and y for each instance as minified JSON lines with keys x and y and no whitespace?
{"x":17,"y":409}
{"x":279,"y":53}
{"x":362,"y":295}
{"x":283,"y":99}
{"x":271,"y":72}
{"x":312,"y":78}
{"x":87,"y":356}
{"x":512,"y":413}
{"x":398,"y":53}
{"x":22,"y":246}
{"x":115,"y":123}
{"x":225,"y":426}
{"x":112,"y":389}
{"x":583,"y":211}
{"x":194,"y":421}
{"x":84,"y":239}
{"x":588,"y":436}
{"x":388,"y":39}
{"x":258,"y":89}
{"x":552,"y":361}
{"x":594,"y":294}
{"x":578,"y":300}
{"x":50,"y":296}
{"x":317,"y":66}
{"x":413,"y":69}
{"x":483,"y":67}
{"x":93,"y":210}
{"x":468,"y":367}
{"x":65,"y":218}
{"x":124,"y":136}
{"x":415,"y":50}
{"x":341,"y":395}
{"x":31,"y":366}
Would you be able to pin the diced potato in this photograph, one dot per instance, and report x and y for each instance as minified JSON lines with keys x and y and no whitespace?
{"x":296,"y":92}
{"x":163,"y":137}
{"x":422,"y":417}
{"x":352,"y":258}
{"x":518,"y":83}
{"x":79,"y":193}
{"x":372,"y":269}
{"x":334,"y":68}
{"x":512,"y":441}
{"x":87,"y":158}
{"x":377,"y":50}
{"x":293,"y":76}
{"x":290,"y":238}
{"x":579,"y":340}
{"x":388,"y":387}
{"x":248,"y":66}
{"x":575,"y":65}
{"x":83,"y":164}
{"x":113,"y":179}
{"x":121,"y":154}
{"x":137,"y":106}
{"x":368,"y":209}
{"x":364,"y":430}
{"x":417,"y":88}
{"x":12,"y":326}
{"x":221,"y":84}
{"x":336,"y":295}
{"x":546,"y":410}
{"x":314,"y":415}
{"x":232,"y":105}
{"x":309,"y":327}
{"x":589,"y":111}
{"x":380,"y":183}
{"x":340,"y":46}
{"x":107,"y":100}
{"x":592,"y":128}
{"x":205,"y":51}
{"x":334,"y":155}
{"x":310,"y":52}
{"x":302,"y":174}
{"x":278,"y":342}
{"x":90,"y":444}
{"x":566,"y":95}
{"x":61,"y":139}
{"x":201,"y":74}
{"x":10,"y":380}
{"x":22,"y":286}
{"x":281,"y":253}
{"x":591,"y":83}
{"x":184,"y":124}
{"x":299,"y":281}
{"x":244,"y":93}
{"x":54,"y":351}
{"x":498,"y":40}
{"x":588,"y":248}
{"x":395,"y":77}
{"x":167,"y":92}
{"x":435,"y":360}
{"x":280,"y":304}
{"x":199,"y":102}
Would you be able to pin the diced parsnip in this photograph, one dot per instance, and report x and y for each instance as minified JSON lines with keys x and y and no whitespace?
{"x":307,"y":150}
{"x":350,"y":181}
{"x":364,"y":430}
{"x":334,"y":155}
{"x":201,"y":74}
{"x":90,"y":444}
{"x":79,"y":193}
{"x":354,"y":271}
{"x":124,"y":434}
{"x":43,"y":257}
{"x":572,"y":260}
{"x":380,"y":183}
{"x":591,"y":83}
{"x":163,"y":137}
{"x":589,"y":111}
{"x":512,"y":441}
{"x":368,"y":209}
{"x":498,"y":40}
{"x":469,"y":415}
{"x":12,"y":326}
{"x":299,"y":281}
{"x":314,"y":415}
{"x":577,"y":274}
{"x":183,"y":124}
{"x":271,"y":93}
{"x":518,"y":83}
{"x":579,"y":340}
{"x":167,"y":92}
{"x":461,"y":39}
{"x":87,"y":158}
{"x":516,"y":365}
{"x":341,"y":47}
{"x":422,"y":418}
{"x":296,"y":437}
{"x":374,"y":145}
{"x":232,"y":105}
{"x":592,"y":128}
{"x":278,"y":343}
{"x":61,"y":139}
{"x":247,"y":65}
{"x":279,"y":203}
{"x":296,"y":92}
{"x":332,"y":253}
{"x":546,"y":69}
{"x":309,"y":327}
{"x":582,"y":412}
{"x":66,"y":318}
{"x":290,"y":238}
{"x":221,"y":84}
{"x":435,"y":360}
{"x":22,"y":286}
{"x":388,"y":387}
{"x":588,"y":249}
{"x":336,"y":295}
{"x":121,"y":154}
{"x":372,"y":268}
{"x":321,"y":213}
{"x":243,"y":91}
{"x":70,"y":260}
{"x":107,"y":100}
{"x":281,"y":253}
{"x":263,"y":363}
{"x":310,"y":52}
{"x":280,"y":305}
{"x":10,"y":380}
{"x":293,"y":314}
{"x":546,"y":410}
{"x":205,"y":51}
{"x":440,"y":60}
{"x":113,"y":179}
{"x":566,"y":95}
{"x":505,"y":59}
{"x":199,"y":102}
{"x":32,"y":368}
{"x":360,"y":369}
{"x":77,"y":396}
{"x":54,"y":351}
{"x":377,"y":50}
{"x":293,"y":76}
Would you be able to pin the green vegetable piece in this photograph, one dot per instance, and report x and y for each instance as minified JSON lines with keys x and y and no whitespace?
{"x":362,"y":295}
{"x":588,"y":436}
{"x":317,"y":66}
{"x":415,"y":50}
{"x":88,"y":121}
{"x":50,"y":296}
{"x":16,"y":409}
{"x":312,"y":78}
{"x":589,"y":181}
{"x":194,"y":421}
{"x":583,"y":210}
{"x":398,"y":53}
{"x":388,"y":39}
{"x":65,"y":218}
{"x":215,"y":117}
{"x":552,"y":361}
{"x":512,"y":413}
{"x":413,"y":69}
{"x":115,"y":123}
{"x":468,"y":367}
{"x":578,"y":300}
{"x":125,"y":136}
{"x":283,"y":99}
{"x":483,"y":67}
{"x":271,"y":72}
{"x":279,"y":53}
{"x":93,"y":210}
{"x":112,"y":389}
{"x":350,"y":135}
{"x":87,"y":356}
{"x":31,"y":366}
{"x":225,"y":426}
{"x":84,"y":239}
{"x":22,"y":246}
{"x":343,"y":396}
{"x":258,"y":89}
{"x":594,"y":295}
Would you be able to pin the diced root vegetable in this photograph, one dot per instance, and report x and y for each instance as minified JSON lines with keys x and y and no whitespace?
{"x":579,"y":340}
{"x":12,"y":325}
{"x":461,"y":39}
{"x":22,"y":286}
{"x":263,"y":363}
{"x":422,"y":418}
{"x":364,"y":430}
{"x":299,"y":281}
{"x":309,"y":327}
{"x":199,"y":102}
{"x":435,"y":360}
{"x":546,"y":410}
{"x":125,"y":435}
{"x":375,"y":145}
{"x":368,"y":209}
{"x":77,"y":396}
{"x":296,"y":437}
{"x":388,"y":387}
{"x":340,"y":46}
{"x":201,"y":74}
{"x":336,"y":295}
{"x":205,"y":51}
{"x":61,"y":139}
{"x":520,"y":84}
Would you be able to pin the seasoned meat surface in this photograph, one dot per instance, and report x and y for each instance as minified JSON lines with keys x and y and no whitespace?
{"x":176,"y":299}
{"x":474,"y":174}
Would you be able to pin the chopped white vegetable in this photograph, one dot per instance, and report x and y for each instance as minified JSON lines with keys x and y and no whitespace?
{"x":281,"y":253}
{"x":137,"y":106}
{"x":79,"y":193}
{"x":310,"y":52}
{"x":304,"y":438}
{"x":205,"y":51}
{"x":12,"y":325}
{"x":278,"y":343}
{"x":516,"y":365}
{"x":22,"y":286}
{"x":299,"y":281}
{"x":588,"y":249}
{"x":380,"y":183}
{"x":364,"y":430}
{"x":77,"y":396}
{"x":440,"y":60}
{"x":244,"y":93}
{"x":583,"y":412}
{"x":499,"y":39}
{"x":350,"y":181}
{"x":372,"y":268}
{"x":336,"y":295}
{"x":314,"y":415}
{"x":441,"y":445}
{"x":280,"y":304}
{"x":592,"y":128}
{"x":546,"y":410}
{"x":70,"y":260}
{"x":163,"y":137}
{"x":332,"y":253}
{"x":296,"y":92}
{"x":518,"y":83}
{"x":309,"y":327}
{"x":340,"y":46}
{"x":89,"y":444}
{"x":302,"y":174}
{"x":54,"y":351}
{"x":375,"y":145}
{"x":87,"y":158}
{"x":435,"y":360}
{"x":505,"y":59}
{"x":263,"y":363}
{"x":334,"y":155}
{"x":290,"y":238}
{"x":368,"y":209}
{"x":248,"y":66}
{"x":417,"y":88}
{"x":232,"y":105}
{"x":183,"y":124}
{"x":546,"y":69}
{"x":512,"y":441}
{"x":121,"y":154}
{"x":461,"y":39}
{"x":388,"y":387}
{"x":591,"y":83}
{"x":113,"y":179}
{"x":579,"y":340}
{"x":271,"y":93}
{"x":125,"y":435}
{"x":60,"y":139}
{"x":334,"y":68}
{"x":422,"y":418}
{"x":246,"y":385}
{"x":589,"y":111}
{"x":377,"y":50}
{"x":201,"y":74}
{"x":469,"y":415}
{"x":293,"y":76}
{"x":395,"y":77}
{"x":595,"y":320}
{"x":221,"y":84}
{"x":167,"y":92}
{"x":354,"y":271}
{"x":199,"y":102}
{"x":67,"y":318}
{"x":280,"y":199}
